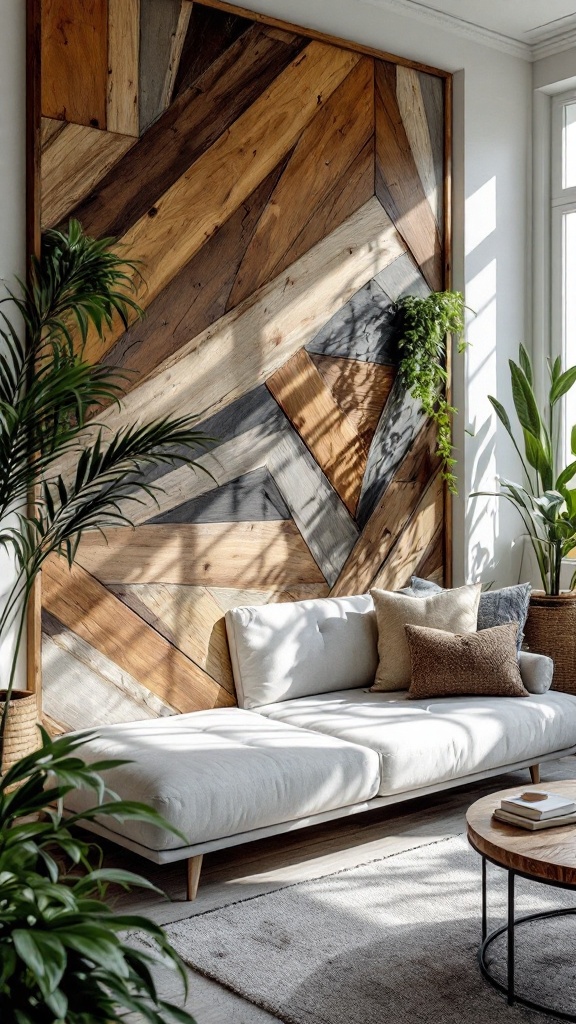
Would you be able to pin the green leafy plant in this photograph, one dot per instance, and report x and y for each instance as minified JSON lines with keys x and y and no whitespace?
{"x":63,"y":956}
{"x":48,"y":390}
{"x":423,"y":325}
{"x":547,"y":502}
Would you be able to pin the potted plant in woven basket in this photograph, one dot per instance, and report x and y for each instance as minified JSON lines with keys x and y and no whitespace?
{"x":546,"y":503}
{"x":60,"y":473}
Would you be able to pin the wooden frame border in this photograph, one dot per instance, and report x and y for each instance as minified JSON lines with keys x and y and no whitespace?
{"x":33,"y":208}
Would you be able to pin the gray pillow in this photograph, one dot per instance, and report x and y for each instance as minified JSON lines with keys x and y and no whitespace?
{"x":510,"y":604}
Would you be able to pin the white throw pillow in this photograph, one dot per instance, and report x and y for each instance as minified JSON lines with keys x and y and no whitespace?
{"x":455,"y":611}
{"x":301,"y":648}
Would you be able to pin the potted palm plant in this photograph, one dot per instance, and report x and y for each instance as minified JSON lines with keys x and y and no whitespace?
{"x":48,"y":392}
{"x":546,"y":503}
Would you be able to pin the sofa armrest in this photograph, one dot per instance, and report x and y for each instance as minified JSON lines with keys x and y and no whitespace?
{"x":536,"y":671}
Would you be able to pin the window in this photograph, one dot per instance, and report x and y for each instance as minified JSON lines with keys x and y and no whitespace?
{"x":563,"y":319}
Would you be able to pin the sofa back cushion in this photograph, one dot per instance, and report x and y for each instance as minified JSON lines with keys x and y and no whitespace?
{"x":283,"y":651}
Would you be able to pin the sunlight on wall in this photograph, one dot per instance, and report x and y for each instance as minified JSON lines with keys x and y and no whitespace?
{"x":480,"y":215}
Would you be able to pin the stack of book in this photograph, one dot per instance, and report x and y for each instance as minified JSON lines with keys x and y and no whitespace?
{"x":535,"y":810}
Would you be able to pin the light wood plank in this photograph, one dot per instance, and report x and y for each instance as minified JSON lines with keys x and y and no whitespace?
{"x":176,"y":48}
{"x":72,"y":162}
{"x":360,"y":388}
{"x":414,"y":540}
{"x":209,"y":554}
{"x":82,"y":604}
{"x":123,"y":67}
{"x":413,"y":114}
{"x":325,"y":429}
{"x":227,"y":599}
{"x":189,"y":618}
{"x":396,"y":506}
{"x":223,"y":362}
{"x":186,"y":215}
{"x":326,"y":149}
{"x":75,"y":61}
{"x":49,"y":129}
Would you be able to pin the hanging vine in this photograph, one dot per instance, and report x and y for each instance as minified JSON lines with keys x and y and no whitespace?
{"x":423,"y":325}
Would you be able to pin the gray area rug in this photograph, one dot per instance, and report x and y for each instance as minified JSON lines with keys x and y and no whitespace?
{"x":390,"y":942}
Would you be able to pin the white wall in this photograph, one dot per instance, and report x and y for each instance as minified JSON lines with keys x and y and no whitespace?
{"x":492,"y":110}
{"x":12,"y":188}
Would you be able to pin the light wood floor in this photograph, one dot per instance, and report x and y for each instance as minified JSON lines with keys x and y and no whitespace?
{"x":261,"y":867}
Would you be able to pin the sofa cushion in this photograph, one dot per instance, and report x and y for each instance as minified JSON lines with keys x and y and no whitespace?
{"x":445,"y":664}
{"x":453,"y":610}
{"x":426,"y":742}
{"x":217,"y":773}
{"x":284,"y":651}
{"x":496,"y":607}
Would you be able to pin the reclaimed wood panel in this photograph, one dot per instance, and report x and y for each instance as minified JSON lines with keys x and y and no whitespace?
{"x":75,"y":61}
{"x":253,"y":497}
{"x":189,"y":618}
{"x":200,"y":554}
{"x":326,"y":430}
{"x":181,"y":220}
{"x":361,"y":389}
{"x":94,"y":614}
{"x":325,"y":150}
{"x":413,"y":114}
{"x":123,"y":99}
{"x":414,"y":540}
{"x":398,"y":184}
{"x":209,"y":34}
{"x":163,"y":28}
{"x":72,"y":161}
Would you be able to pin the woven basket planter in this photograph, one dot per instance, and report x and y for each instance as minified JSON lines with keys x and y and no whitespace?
{"x":22,"y":735}
{"x":551,"y":629}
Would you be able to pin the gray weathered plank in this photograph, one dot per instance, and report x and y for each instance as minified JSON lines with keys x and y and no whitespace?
{"x":158,"y":25}
{"x":432,"y":89}
{"x":401,"y":278}
{"x":362,"y":329}
{"x":253,"y":497}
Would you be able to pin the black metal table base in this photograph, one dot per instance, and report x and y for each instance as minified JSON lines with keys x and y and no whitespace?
{"x":508,"y":988}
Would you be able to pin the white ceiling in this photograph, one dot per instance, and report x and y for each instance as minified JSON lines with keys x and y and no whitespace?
{"x":528,"y":21}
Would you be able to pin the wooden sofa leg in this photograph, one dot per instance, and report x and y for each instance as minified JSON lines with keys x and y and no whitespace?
{"x":535,"y":774}
{"x":194,"y":867}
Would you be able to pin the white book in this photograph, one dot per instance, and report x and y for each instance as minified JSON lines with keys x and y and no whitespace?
{"x":538,"y":805}
{"x":530,"y":824}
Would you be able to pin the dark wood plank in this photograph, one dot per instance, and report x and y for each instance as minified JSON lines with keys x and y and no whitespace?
{"x":187,"y":129}
{"x":196,"y":297}
{"x":398,"y":184}
{"x":362,"y":329}
{"x":75,"y":61}
{"x":209,"y":35}
{"x":250,"y":498}
{"x":326,"y":150}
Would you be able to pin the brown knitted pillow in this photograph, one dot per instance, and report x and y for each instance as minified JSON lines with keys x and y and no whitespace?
{"x":451,"y":664}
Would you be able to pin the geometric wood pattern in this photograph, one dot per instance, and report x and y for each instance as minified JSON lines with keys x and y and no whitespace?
{"x":281,"y":193}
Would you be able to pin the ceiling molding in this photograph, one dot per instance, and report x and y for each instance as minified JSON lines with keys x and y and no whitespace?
{"x":466,"y":29}
{"x":554,"y":44}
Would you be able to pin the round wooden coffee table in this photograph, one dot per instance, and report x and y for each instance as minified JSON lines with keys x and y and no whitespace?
{"x":547,"y":856}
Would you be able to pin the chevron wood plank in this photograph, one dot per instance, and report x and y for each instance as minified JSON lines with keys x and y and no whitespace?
{"x":227,"y":599}
{"x":186,"y":214}
{"x":206,"y":554}
{"x":122,"y":100}
{"x":82,"y":604}
{"x":350,"y":193}
{"x":253,"y":497}
{"x":75,"y":61}
{"x":176,"y":49}
{"x":431,"y":565}
{"x":326,"y":149}
{"x":432,"y":90}
{"x":161,"y":32}
{"x":284,"y":316}
{"x":209,"y":34}
{"x":402,"y":277}
{"x":189,"y":127}
{"x":360,"y":388}
{"x":196,"y":297}
{"x":413,"y":114}
{"x":398,"y":184}
{"x":190,"y":619}
{"x":49,"y":129}
{"x":72,"y":162}
{"x":320,"y":515}
{"x":362,"y":329}
{"x":414,"y":540}
{"x":325,"y":429}
{"x":397,"y":505}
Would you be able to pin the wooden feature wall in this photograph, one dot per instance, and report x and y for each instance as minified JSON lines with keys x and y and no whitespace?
{"x":280,"y":193}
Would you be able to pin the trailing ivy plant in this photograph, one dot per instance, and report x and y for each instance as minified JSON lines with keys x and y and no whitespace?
{"x":423,"y":325}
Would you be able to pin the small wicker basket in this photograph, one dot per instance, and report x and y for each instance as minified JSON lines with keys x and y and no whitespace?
{"x":551,"y":629}
{"x":22,"y":735}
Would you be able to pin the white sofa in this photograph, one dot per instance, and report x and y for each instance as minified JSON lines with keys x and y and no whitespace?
{"x":309,"y":742}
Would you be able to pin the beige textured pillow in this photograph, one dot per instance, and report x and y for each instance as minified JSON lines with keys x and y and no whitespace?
{"x":453,"y":610}
{"x":448,"y":664}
